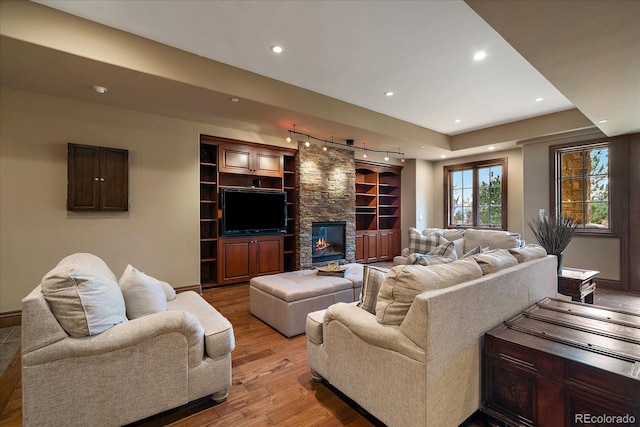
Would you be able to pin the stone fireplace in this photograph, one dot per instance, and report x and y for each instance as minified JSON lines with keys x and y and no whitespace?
{"x":327,"y":241}
{"x":326,"y":184}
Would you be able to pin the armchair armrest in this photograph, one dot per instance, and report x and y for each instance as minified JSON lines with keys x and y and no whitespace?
{"x":364,"y":325}
{"x":183,"y":325}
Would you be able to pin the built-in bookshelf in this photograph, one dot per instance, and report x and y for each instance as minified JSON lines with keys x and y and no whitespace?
{"x":378,"y":197}
{"x":226,"y":163}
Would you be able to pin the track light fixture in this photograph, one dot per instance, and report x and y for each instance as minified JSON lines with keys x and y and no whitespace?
{"x":349,"y":144}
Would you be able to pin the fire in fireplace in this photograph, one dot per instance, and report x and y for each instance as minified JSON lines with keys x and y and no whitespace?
{"x":328,"y":241}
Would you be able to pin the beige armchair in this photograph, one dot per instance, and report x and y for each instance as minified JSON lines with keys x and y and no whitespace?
{"x":130,"y":371}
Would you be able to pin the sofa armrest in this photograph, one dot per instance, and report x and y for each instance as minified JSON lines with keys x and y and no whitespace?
{"x":183,"y":325}
{"x":218,"y":331}
{"x":364,"y":325}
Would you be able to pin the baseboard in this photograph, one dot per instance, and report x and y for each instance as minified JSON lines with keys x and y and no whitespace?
{"x":10,"y":318}
{"x":195,"y":288}
{"x":608,"y":284}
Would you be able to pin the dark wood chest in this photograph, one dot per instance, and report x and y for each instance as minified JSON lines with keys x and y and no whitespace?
{"x":563,"y":363}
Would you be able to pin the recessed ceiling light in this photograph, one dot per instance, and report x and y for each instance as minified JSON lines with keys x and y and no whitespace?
{"x":389,"y":93}
{"x":457,"y":121}
{"x":480,"y":55}
{"x":234,"y":99}
{"x":603,"y":121}
{"x":277,"y":49}
{"x":443,"y":156}
{"x":491,"y":147}
{"x":539,"y":99}
{"x":100,"y":89}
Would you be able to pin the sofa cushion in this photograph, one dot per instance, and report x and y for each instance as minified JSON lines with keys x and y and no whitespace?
{"x":448,"y":233}
{"x":492,"y":239}
{"x":143,"y":294}
{"x":495,"y":260}
{"x":445,"y":252}
{"x":527,"y":253}
{"x":404,"y":283}
{"x":84,"y":295}
{"x":422,"y":244}
{"x":372,"y":278}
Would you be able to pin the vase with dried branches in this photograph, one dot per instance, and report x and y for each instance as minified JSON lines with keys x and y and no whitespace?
{"x":554,"y":234}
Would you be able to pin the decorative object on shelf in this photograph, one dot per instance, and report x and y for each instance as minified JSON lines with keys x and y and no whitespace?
{"x":554,"y":234}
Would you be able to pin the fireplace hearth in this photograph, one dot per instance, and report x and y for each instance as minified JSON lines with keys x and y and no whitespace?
{"x":328,"y":241}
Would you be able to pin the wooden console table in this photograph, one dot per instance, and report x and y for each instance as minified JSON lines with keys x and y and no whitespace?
{"x":578,"y":284}
{"x":563,"y":363}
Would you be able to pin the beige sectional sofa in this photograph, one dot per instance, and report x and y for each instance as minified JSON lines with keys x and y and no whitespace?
{"x":98,"y":351}
{"x":464,"y":240}
{"x":417,"y":360}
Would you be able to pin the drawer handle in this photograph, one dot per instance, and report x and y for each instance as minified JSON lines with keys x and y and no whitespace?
{"x":517,"y":361}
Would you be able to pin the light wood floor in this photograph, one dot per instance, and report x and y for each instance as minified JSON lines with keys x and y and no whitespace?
{"x":271,"y":380}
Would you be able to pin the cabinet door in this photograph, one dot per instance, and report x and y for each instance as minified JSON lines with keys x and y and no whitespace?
{"x":248,"y":160}
{"x":235,"y":159}
{"x":114,"y":179}
{"x":385,"y":245}
{"x":83,"y":192}
{"x":268,"y":163}
{"x":371,"y":247}
{"x":269,"y":255}
{"x":360,"y":248}
{"x":98,"y":178}
{"x":235,"y":259}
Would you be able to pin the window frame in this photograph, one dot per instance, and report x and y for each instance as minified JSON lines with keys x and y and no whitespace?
{"x":475,"y":166}
{"x":555,"y":180}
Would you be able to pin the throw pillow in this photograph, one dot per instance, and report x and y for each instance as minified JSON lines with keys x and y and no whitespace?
{"x":422,"y":244}
{"x":404,"y":282}
{"x":84,"y":295}
{"x":143,"y":294}
{"x":426,"y":259}
{"x":168,"y":290}
{"x":495,"y":260}
{"x":529,"y":252}
{"x":474,"y":251}
{"x":444,"y":253}
{"x":372,"y":278}
{"x":445,"y":249}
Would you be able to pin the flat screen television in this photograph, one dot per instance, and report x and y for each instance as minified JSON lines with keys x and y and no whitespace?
{"x":253,"y":211}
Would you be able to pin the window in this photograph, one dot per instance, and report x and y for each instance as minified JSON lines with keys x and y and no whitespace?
{"x":476,"y":194}
{"x":582,"y":186}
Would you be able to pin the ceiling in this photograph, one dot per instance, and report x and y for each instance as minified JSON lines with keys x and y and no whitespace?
{"x":574,"y":55}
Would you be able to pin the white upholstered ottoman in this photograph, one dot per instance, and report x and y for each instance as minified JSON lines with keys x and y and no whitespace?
{"x":283,"y":300}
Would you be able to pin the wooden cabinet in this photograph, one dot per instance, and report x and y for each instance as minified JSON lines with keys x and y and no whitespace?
{"x":245,"y":257}
{"x":389,"y":244}
{"x":226,"y":163}
{"x":249,"y":160}
{"x":366,"y":246}
{"x":98,"y":178}
{"x":560,"y":362}
{"x":378,"y":199}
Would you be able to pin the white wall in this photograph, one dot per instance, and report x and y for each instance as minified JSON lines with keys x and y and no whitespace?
{"x":159,"y":234}
{"x":593,"y":253}
{"x":417,"y":196}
